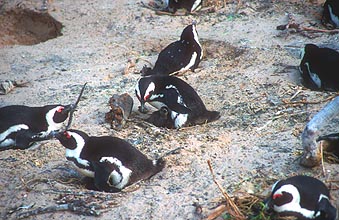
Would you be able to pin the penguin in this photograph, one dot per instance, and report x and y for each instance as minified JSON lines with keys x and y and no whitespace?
{"x":161,"y":118}
{"x":304,"y":197}
{"x":111,"y":161}
{"x":330,"y":18}
{"x":318,"y":68}
{"x":185,"y":106}
{"x":331,"y":143}
{"x":189,"y":5}
{"x":21,"y":126}
{"x":179,"y":56}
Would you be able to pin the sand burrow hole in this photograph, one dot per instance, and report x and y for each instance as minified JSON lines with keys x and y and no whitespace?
{"x":27,"y":27}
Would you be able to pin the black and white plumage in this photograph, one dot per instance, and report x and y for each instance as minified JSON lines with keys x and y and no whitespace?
{"x":189,"y":5}
{"x":185,"y":105}
{"x":302,"y":196}
{"x":111,"y":161}
{"x":22,"y":125}
{"x":330,"y":16}
{"x":318,"y":68}
{"x":182,"y":55}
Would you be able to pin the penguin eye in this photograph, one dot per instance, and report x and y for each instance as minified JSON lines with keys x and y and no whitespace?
{"x":60,"y":109}
{"x":276,"y":196}
{"x":67,"y":135}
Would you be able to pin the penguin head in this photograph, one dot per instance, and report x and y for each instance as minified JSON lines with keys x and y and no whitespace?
{"x":189,"y":34}
{"x":146,"y":91}
{"x":301,"y":196}
{"x":72,"y":139}
{"x":164,"y":111}
{"x":282,"y":195}
{"x":310,"y":49}
{"x":56,"y":115}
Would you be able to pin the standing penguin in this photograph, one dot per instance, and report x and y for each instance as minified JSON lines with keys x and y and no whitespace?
{"x":302,"y":196}
{"x":180,"y":55}
{"x":21,"y":126}
{"x":111,"y":161}
{"x":319,"y":67}
{"x":330,"y":16}
{"x":183,"y":102}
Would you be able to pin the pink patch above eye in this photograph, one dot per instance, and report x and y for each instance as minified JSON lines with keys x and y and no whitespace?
{"x":60,"y":109}
{"x":68,"y":136}
{"x":275,"y":196}
{"x":146,"y":97}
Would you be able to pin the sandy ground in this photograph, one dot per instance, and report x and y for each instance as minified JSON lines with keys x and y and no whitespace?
{"x":248,"y":73}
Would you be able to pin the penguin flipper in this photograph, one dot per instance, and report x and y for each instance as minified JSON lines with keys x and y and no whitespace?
{"x":101,"y":177}
{"x":23,"y":139}
{"x":176,"y":107}
{"x":327,"y":209}
{"x":172,"y":96}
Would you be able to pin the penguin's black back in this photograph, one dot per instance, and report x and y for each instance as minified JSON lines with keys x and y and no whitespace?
{"x":107,"y":146}
{"x":198,"y":112}
{"x":34,"y":117}
{"x":309,"y":189}
{"x":177,"y":55}
{"x":170,"y":60}
{"x":189,"y":95}
{"x":324,"y":62}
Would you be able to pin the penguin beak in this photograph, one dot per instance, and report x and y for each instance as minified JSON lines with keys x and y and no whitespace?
{"x":69,"y":108}
{"x":142,"y":108}
{"x":268,"y":203}
{"x":55,"y":134}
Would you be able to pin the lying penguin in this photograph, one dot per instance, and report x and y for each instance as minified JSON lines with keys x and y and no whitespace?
{"x":179,"y":56}
{"x":185,"y":106}
{"x":111,"y":161}
{"x":303,"y":197}
{"x":189,"y":5}
{"x":21,"y":126}
{"x":318,"y":68}
{"x":330,"y":16}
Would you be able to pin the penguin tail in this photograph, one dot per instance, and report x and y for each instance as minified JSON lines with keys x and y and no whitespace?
{"x":160,"y":164}
{"x":211,"y":116}
{"x":326,"y":207}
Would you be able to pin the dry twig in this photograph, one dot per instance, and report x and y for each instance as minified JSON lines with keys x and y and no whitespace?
{"x":292,"y":24}
{"x":77,"y":206}
{"x":217,"y":212}
{"x":231,"y":207}
{"x":304,"y":102}
{"x":322,"y":158}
